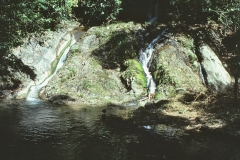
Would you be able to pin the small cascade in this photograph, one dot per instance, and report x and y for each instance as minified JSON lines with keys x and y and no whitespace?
{"x":145,"y":58}
{"x":34,"y":90}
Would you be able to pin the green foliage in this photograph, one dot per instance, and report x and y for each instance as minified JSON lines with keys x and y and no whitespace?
{"x":226,"y":12}
{"x":134,"y":70}
{"x":96,"y":12}
{"x":20,"y":17}
{"x":190,"y":10}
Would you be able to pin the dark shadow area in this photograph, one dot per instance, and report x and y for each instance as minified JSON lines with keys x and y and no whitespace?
{"x":119,"y":47}
{"x":231,"y":45}
{"x":168,"y":12}
{"x":232,"y":42}
{"x":61,"y":99}
{"x":164,"y":132}
{"x":137,"y":11}
{"x":125,"y":44}
{"x":10,"y":66}
{"x":149,"y":115}
{"x":189,"y":97}
{"x":107,"y":132}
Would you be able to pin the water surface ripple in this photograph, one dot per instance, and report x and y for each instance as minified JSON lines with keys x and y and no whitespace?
{"x":41,"y":131}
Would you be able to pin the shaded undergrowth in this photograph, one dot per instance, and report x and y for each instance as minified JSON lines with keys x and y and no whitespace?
{"x":11,"y":70}
{"x":124,"y":43}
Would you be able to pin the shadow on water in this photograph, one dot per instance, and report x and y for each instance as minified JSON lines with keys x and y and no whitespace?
{"x":44,"y":131}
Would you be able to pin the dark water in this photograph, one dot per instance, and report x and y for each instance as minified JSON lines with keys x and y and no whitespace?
{"x":44,"y":132}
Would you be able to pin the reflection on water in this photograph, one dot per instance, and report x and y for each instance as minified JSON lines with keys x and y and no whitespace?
{"x":41,"y":131}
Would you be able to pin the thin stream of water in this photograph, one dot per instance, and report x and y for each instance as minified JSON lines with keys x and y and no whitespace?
{"x":145,"y":59}
{"x":34,"y":90}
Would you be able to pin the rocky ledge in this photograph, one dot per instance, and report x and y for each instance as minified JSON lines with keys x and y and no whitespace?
{"x":102,"y":68}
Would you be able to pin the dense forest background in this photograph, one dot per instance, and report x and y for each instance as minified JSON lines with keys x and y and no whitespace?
{"x":19,"y":18}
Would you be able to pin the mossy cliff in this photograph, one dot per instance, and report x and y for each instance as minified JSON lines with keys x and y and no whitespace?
{"x":99,"y":66}
{"x":103,"y":67}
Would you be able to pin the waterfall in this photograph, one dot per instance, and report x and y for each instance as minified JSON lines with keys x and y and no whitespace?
{"x":145,"y":59}
{"x":153,"y":19}
{"x":34,"y":90}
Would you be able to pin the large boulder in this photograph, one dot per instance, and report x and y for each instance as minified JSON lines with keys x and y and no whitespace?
{"x":217,"y":78}
{"x":175,"y":68}
{"x":134,"y":77}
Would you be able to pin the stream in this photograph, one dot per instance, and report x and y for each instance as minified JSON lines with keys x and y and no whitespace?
{"x":145,"y":58}
{"x":65,"y":47}
{"x":41,"y":131}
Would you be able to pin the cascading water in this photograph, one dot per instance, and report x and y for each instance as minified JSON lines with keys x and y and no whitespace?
{"x":145,"y":59}
{"x":34,"y":90}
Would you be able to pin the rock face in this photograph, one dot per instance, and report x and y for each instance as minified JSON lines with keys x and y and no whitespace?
{"x":100,"y":69}
{"x":39,"y":54}
{"x":103,"y":66}
{"x":216,"y":76}
{"x":174,"y":68}
{"x":134,"y":78}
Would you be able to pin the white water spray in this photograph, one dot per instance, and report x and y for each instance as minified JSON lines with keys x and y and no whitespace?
{"x":145,"y":59}
{"x":34,"y":90}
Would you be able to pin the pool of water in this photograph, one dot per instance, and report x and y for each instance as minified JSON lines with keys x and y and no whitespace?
{"x":40,"y":131}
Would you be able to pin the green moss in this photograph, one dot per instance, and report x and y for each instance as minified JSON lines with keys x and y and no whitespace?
{"x":134,"y":69}
{"x":133,"y":65}
{"x":186,"y":41}
{"x":171,"y":69}
{"x":158,"y":96}
{"x":71,"y":73}
{"x":191,"y":56}
{"x":95,"y":88}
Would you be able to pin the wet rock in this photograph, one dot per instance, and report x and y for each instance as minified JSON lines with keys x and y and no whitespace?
{"x":134,"y":77}
{"x":216,"y":76}
{"x":104,"y":110}
{"x":38,"y":54}
{"x":149,"y":105}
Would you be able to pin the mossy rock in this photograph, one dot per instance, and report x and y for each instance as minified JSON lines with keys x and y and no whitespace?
{"x":186,"y":41}
{"x":174,"y":69}
{"x":134,"y":76}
